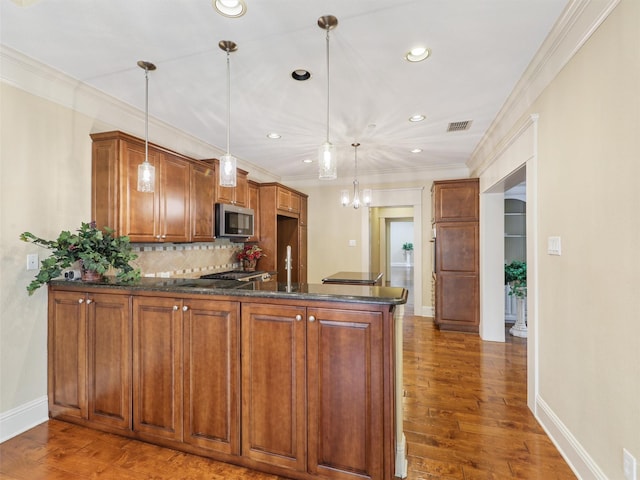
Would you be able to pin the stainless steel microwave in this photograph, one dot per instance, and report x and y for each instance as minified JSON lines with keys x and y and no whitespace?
{"x":234,"y":221}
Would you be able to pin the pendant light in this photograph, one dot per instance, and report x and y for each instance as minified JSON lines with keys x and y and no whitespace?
{"x":228,"y":161}
{"x":366,"y":193}
{"x":327,"y":162}
{"x":146,"y":171}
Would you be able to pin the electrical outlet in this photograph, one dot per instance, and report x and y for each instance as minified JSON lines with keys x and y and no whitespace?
{"x":352,"y":243}
{"x":629,"y":465}
{"x":32,"y":261}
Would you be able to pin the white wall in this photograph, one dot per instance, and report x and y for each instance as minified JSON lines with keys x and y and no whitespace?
{"x":588,"y":328}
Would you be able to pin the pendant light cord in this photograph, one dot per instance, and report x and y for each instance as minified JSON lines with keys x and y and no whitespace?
{"x":146,"y":115}
{"x":328,"y":86}
{"x":228,"y":102}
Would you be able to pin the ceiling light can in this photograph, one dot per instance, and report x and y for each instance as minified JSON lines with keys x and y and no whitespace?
{"x":417,"y":54}
{"x":230,"y":8}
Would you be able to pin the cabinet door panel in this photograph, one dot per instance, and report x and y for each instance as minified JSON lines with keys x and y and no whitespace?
{"x":457,"y":298}
{"x":139,"y":211}
{"x":456,"y":200}
{"x":273,"y":385}
{"x":157,"y":356}
{"x":174,"y":214}
{"x":212,"y":375}
{"x":345,"y":388}
{"x":109,"y":360}
{"x":67,"y":351}
{"x":457,"y":247}
{"x":203,"y":188}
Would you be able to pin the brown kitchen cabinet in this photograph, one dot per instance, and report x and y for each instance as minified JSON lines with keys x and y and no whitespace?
{"x":280,"y":228}
{"x":254,"y":204}
{"x":157,"y":372}
{"x":203,"y":188}
{"x":457,"y":279}
{"x":161,"y":216}
{"x":274,"y":385}
{"x":211,"y":351}
{"x":89,"y":350}
{"x":288,"y":201}
{"x":302,"y":241}
{"x":330,"y":360}
{"x":238,"y":195}
{"x":186,"y":372}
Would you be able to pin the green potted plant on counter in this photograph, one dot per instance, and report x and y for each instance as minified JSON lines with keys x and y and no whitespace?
{"x":96,"y":249}
{"x":515,"y":275}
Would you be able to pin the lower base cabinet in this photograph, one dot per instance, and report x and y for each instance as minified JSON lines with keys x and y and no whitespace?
{"x":186,"y":372}
{"x":89,"y":350}
{"x":291,"y":389}
{"x":327,"y":360}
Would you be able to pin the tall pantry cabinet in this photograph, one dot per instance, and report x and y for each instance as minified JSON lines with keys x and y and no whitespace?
{"x":455,"y":220}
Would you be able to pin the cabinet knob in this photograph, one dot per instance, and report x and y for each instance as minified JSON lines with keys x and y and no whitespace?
{"x":164,"y":236}
{"x":312,"y":318}
{"x":81,"y":300}
{"x":175,"y":308}
{"x":89,"y":301}
{"x":298,"y":317}
{"x":158,"y":237}
{"x":185,"y":308}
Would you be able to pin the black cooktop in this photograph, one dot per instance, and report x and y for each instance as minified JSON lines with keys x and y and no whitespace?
{"x":234,"y":275}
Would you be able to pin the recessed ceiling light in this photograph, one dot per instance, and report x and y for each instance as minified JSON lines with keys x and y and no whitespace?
{"x":417,"y":54}
{"x":274,"y":135}
{"x":416,"y":150}
{"x":416,"y":118}
{"x":307,"y":160}
{"x":230,"y":8}
{"x":301,"y":75}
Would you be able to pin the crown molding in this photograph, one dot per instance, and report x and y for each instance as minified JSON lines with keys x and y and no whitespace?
{"x":573,"y":28}
{"x":43,"y":81}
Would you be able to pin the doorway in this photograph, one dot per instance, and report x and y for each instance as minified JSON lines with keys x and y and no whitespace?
{"x":401,"y":203}
{"x":395,"y":248}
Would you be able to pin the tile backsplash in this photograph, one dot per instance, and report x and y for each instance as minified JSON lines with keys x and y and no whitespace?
{"x":185,"y":260}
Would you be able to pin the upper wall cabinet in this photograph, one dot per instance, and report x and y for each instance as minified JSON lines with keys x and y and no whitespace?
{"x":203,"y":192}
{"x":238,"y":195}
{"x":161,"y":216}
{"x":456,"y":200}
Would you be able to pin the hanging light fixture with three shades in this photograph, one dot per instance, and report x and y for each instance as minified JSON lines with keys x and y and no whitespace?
{"x":366,"y":193}
{"x":228,"y":161}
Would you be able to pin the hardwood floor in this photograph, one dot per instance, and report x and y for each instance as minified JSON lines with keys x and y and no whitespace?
{"x":465,"y":418}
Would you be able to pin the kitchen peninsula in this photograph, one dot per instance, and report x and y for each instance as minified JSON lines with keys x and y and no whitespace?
{"x":302,"y":381}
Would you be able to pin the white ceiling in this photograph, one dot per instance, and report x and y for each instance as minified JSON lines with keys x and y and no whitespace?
{"x":480,"y":48}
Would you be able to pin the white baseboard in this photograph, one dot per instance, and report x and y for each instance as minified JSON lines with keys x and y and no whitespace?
{"x":20,"y":419}
{"x":401,"y":458}
{"x":576,"y":456}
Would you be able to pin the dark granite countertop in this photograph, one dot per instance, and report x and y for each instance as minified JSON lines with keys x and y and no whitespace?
{"x":270,"y":289}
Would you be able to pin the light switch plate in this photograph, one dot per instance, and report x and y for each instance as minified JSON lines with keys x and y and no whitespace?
{"x":32,"y":261}
{"x":554,"y":246}
{"x":352,"y":243}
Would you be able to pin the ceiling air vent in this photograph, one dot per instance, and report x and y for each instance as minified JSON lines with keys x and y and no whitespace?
{"x":459,"y":126}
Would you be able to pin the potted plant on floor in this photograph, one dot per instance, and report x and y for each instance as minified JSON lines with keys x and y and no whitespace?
{"x":407,"y":248}
{"x":515,"y":275}
{"x":96,"y":249}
